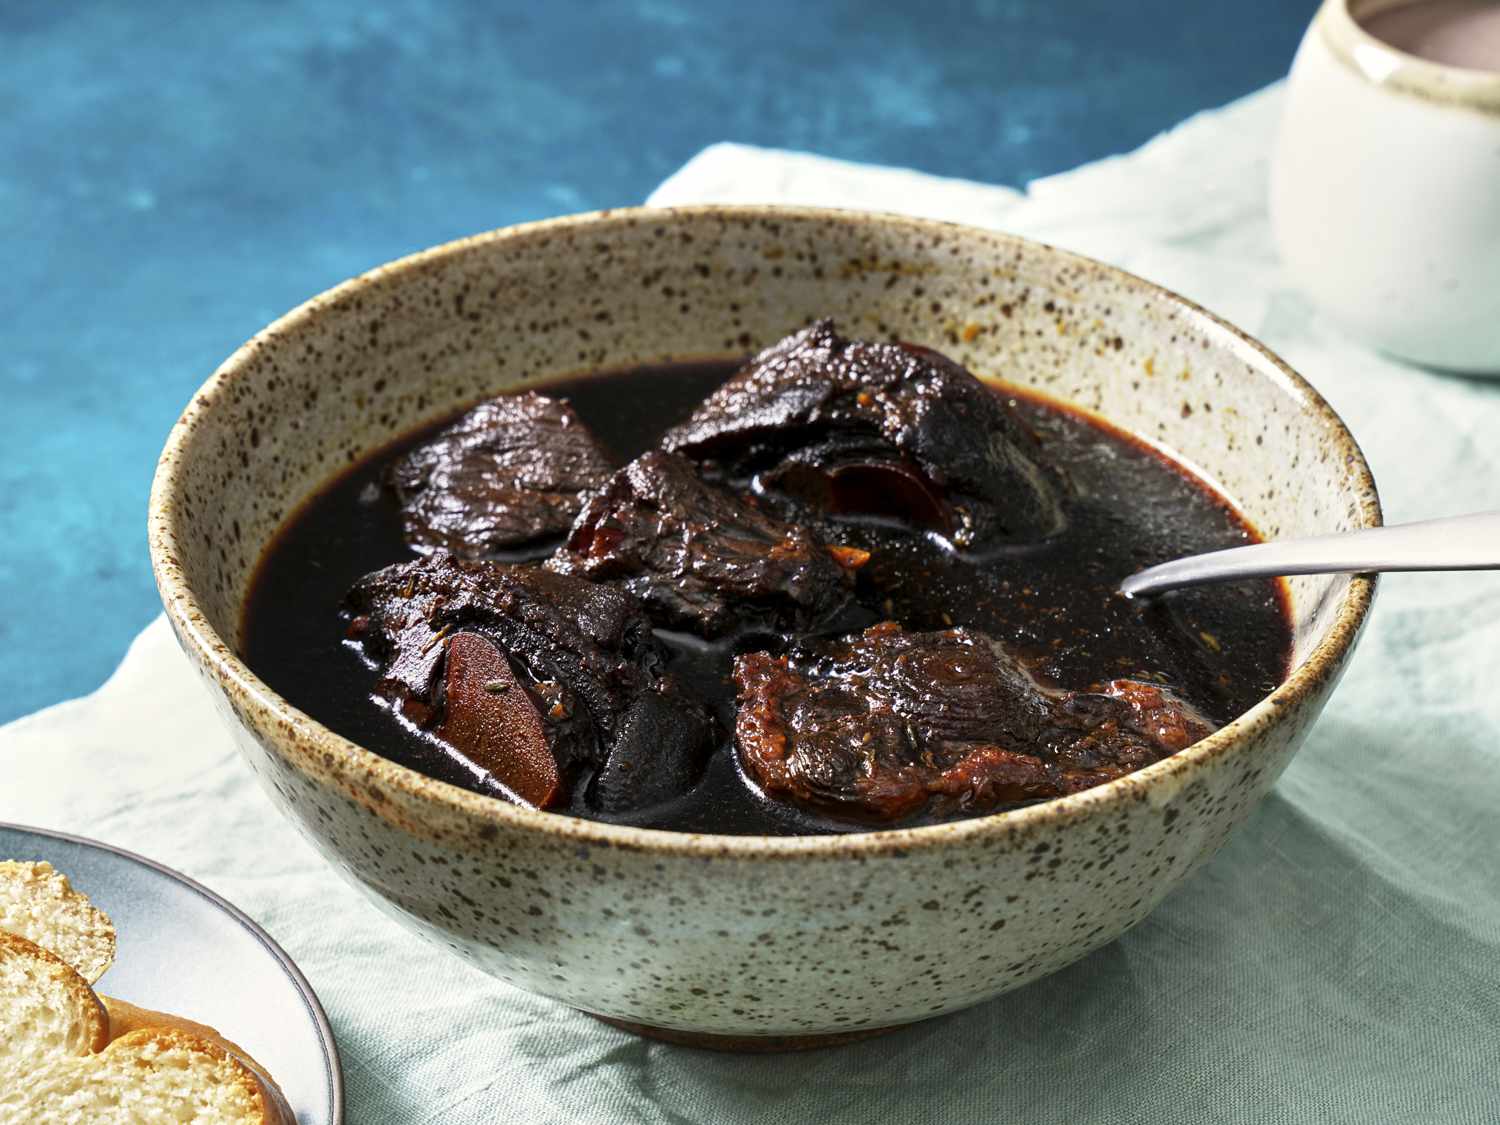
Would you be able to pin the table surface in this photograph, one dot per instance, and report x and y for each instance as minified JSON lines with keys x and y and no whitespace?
{"x":175,"y":175}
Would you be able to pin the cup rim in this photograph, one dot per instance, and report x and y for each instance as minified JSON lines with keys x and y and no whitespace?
{"x":1382,"y":64}
{"x":1155,"y":784}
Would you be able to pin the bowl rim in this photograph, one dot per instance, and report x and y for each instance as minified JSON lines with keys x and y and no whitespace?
{"x":1154,"y":783}
{"x":1385,"y":65}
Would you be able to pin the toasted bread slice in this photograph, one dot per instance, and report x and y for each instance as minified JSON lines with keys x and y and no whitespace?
{"x":69,"y":1056}
{"x":38,"y":903}
{"x":150,"y":1075}
{"x":126,"y":1018}
{"x":48,"y":1012}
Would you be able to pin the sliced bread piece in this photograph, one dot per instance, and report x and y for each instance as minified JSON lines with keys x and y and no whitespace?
{"x":149,"y":1075}
{"x":48,"y":1012}
{"x":69,"y":1056}
{"x":38,"y":903}
{"x":125,"y":1018}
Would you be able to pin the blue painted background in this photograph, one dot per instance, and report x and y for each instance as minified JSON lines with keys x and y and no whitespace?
{"x":173,"y":175}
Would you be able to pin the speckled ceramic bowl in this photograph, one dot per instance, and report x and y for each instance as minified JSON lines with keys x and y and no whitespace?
{"x":754,"y":940}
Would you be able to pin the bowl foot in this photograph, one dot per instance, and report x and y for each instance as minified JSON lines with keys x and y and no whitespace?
{"x":749,"y":1044}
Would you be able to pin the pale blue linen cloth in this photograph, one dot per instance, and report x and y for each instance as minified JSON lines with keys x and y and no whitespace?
{"x":1339,"y":961}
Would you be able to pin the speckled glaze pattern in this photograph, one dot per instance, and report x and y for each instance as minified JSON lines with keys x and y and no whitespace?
{"x":746,"y":936}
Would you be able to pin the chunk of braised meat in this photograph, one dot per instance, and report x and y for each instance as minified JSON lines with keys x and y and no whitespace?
{"x":510,"y":472}
{"x":884,"y":725}
{"x":536,"y":679}
{"x":890,"y":431}
{"x":703,"y":559}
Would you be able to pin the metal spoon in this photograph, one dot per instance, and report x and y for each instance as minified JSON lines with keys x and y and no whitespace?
{"x":1456,"y":543}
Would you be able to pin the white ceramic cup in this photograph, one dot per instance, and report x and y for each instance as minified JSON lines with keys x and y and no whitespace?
{"x":1385,"y":192}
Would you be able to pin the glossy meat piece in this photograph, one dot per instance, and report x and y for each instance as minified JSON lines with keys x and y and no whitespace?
{"x":493,"y":722}
{"x":638,"y":773}
{"x":703,"y":559}
{"x":583,"y":655}
{"x":509,"y":472}
{"x":886,"y":724}
{"x":860,"y":429}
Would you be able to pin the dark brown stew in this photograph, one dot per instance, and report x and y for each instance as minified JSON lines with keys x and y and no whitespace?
{"x":890,"y":640}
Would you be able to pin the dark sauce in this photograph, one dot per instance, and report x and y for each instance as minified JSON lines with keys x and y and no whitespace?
{"x":1223,"y":648}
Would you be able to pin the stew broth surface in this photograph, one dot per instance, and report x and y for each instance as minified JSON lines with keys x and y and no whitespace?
{"x":1055,"y":603}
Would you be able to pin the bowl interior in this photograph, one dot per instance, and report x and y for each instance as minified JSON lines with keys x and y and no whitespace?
{"x":413,"y":341}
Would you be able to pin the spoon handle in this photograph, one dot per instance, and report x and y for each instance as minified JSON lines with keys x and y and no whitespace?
{"x":1455,"y":543}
